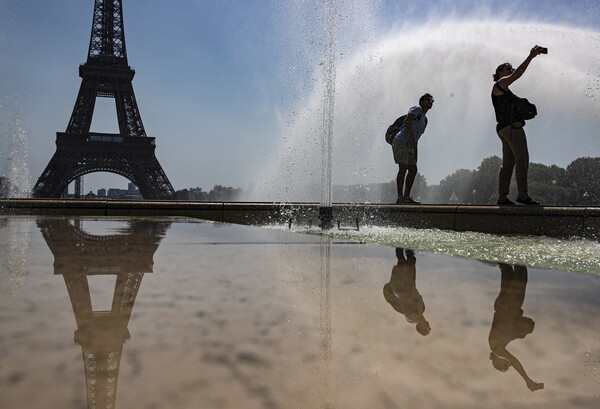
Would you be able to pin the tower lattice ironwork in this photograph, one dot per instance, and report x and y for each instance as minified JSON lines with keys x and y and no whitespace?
{"x":130,"y":153}
{"x":126,"y":256}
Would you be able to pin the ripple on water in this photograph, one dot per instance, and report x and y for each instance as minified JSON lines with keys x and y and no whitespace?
{"x":575,"y":255}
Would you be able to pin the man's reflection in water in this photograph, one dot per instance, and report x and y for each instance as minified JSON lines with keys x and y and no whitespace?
{"x":402,"y":294}
{"x":509,"y":322}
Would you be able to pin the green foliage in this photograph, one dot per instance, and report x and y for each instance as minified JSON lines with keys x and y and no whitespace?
{"x":577,"y":185}
{"x":460,"y":183}
{"x":217,"y":194}
{"x":584,"y":183}
{"x":4,"y":186}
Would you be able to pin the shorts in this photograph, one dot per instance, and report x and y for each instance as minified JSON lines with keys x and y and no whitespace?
{"x":403,"y":154}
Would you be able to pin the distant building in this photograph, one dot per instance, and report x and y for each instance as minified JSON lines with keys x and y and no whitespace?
{"x":132,"y":193}
{"x":132,"y":190}
{"x":116,"y":193}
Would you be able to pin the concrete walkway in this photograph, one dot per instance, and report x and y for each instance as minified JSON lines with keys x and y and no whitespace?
{"x":552,"y":221}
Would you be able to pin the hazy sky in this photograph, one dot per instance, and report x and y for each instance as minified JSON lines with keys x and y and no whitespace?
{"x":220,"y":83}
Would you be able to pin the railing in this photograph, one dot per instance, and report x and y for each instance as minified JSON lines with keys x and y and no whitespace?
{"x":96,"y":137}
{"x":105,"y":138}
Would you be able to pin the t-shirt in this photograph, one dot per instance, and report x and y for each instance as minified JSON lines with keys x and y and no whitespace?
{"x":419,"y":124}
{"x":404,"y":288}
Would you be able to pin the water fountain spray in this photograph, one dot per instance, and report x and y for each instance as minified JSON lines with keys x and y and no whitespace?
{"x":15,"y":157}
{"x":329,"y":71}
{"x":381,"y":77}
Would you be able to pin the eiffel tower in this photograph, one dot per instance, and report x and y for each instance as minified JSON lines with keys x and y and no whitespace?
{"x":102,"y":334}
{"x":130,"y":153}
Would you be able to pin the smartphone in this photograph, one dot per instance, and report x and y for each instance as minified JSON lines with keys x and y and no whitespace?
{"x":542,"y":50}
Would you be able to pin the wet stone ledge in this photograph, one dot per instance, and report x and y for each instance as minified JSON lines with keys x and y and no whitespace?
{"x":551,"y":221}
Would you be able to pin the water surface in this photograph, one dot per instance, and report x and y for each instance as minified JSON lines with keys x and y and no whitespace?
{"x":187,"y":314}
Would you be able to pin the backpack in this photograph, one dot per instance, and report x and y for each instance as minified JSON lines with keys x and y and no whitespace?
{"x":520,"y":108}
{"x":523,"y":109}
{"x":394,"y":128}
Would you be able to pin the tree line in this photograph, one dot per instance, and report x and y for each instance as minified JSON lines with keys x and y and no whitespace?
{"x":576,"y":185}
{"x":217,"y":194}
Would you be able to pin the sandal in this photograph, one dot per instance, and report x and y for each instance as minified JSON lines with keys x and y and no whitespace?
{"x":505,"y":202}
{"x":410,"y":200}
{"x":529,"y":202}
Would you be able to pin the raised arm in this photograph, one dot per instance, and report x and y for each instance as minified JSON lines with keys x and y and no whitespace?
{"x":515,"y":363}
{"x":504,"y":82}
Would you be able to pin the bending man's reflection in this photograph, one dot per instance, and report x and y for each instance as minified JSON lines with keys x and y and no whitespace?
{"x":402,"y":294}
{"x":509,"y":322}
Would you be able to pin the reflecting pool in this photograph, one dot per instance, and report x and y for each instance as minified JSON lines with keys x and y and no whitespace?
{"x":111,"y":312}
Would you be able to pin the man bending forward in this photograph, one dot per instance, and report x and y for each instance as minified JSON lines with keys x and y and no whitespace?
{"x":404,"y":146}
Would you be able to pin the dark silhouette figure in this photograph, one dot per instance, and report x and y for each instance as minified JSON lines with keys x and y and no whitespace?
{"x":402,"y":294}
{"x":404,"y":147}
{"x":509,"y":322}
{"x":515,"y":154}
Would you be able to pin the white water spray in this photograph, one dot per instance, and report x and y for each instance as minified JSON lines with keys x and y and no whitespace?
{"x":329,"y":71}
{"x":15,"y":155}
{"x":454,"y":60}
{"x":321,"y":34}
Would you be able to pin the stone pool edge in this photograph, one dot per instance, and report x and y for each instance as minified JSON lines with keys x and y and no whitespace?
{"x":551,"y":221}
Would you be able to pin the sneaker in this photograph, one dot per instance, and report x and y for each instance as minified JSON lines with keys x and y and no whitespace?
{"x":401,"y":200}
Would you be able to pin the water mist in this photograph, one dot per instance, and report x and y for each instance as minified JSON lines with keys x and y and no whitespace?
{"x":15,"y":153}
{"x":454,"y":60}
{"x":329,"y":68}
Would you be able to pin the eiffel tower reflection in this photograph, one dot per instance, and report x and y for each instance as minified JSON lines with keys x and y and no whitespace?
{"x":128,"y":255}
